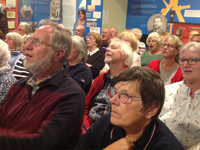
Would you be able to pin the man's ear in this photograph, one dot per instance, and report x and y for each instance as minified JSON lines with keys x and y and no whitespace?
{"x":152,"y":110}
{"x":59,"y":54}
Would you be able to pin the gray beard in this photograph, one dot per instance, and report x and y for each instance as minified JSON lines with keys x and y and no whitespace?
{"x":40,"y":66}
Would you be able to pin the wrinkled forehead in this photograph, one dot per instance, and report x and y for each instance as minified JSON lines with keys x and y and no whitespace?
{"x":115,"y":44}
{"x":43,"y":33}
{"x":131,"y":86}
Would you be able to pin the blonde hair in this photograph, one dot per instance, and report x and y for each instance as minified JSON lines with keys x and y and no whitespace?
{"x":131,"y":37}
{"x":17,"y":40}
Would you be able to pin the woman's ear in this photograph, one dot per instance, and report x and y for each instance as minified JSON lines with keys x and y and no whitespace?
{"x":152,"y":111}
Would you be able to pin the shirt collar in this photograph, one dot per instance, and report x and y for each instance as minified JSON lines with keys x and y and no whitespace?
{"x":93,"y":52}
{"x":33,"y":79}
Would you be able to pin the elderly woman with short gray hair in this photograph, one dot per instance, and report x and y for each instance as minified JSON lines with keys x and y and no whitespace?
{"x":154,"y":53}
{"x":77,"y":69}
{"x":24,"y":29}
{"x":6,"y":78}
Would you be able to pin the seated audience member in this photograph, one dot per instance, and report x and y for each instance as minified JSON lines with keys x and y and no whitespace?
{"x":181,"y":111}
{"x":77,"y":69}
{"x":119,"y":57}
{"x":46,"y":109}
{"x":14,"y":41}
{"x":19,"y":71}
{"x":106,"y":36}
{"x":196,"y":38}
{"x":114,"y":31}
{"x":141,"y":46}
{"x":168,"y":68}
{"x":154,"y":43}
{"x":193,"y":32}
{"x":6,"y":78}
{"x":24,"y":29}
{"x":163,"y":35}
{"x":80,"y":31}
{"x":95,"y":57}
{"x":133,"y":122}
{"x":128,"y":36}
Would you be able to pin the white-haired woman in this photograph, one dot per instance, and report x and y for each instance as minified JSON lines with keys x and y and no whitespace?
{"x":6,"y":78}
{"x":168,"y":68}
{"x":24,"y":29}
{"x":77,"y":69}
{"x":154,"y":53}
{"x":130,"y":38}
{"x":14,"y":41}
{"x":181,"y":110}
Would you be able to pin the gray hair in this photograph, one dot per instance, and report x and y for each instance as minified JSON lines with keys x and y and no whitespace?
{"x":28,"y":27}
{"x":116,"y":30}
{"x":4,"y":53}
{"x":191,"y":46}
{"x":177,"y":41}
{"x":79,"y":44}
{"x":174,"y":39}
{"x":59,"y":39}
{"x":125,"y":49}
{"x":152,"y":35}
{"x":17,"y":40}
{"x":137,"y":31}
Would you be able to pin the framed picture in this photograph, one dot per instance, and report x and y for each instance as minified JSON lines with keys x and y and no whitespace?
{"x":11,"y":24}
{"x":11,"y":14}
{"x":11,"y":3}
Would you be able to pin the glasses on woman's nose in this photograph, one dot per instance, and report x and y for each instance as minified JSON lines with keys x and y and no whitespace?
{"x":152,"y":41}
{"x":168,"y":45}
{"x":90,"y":38}
{"x":191,"y":61}
{"x":123,"y":97}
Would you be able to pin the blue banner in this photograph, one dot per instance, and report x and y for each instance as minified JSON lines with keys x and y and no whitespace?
{"x":33,"y":11}
{"x":139,"y":12}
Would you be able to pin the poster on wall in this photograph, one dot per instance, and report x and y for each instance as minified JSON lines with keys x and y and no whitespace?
{"x":139,"y":12}
{"x":55,"y":9}
{"x":33,"y":11}
{"x":25,"y":13}
{"x":10,"y":3}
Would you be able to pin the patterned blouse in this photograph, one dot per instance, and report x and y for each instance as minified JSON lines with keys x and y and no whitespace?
{"x":6,"y":80}
{"x":181,"y":114}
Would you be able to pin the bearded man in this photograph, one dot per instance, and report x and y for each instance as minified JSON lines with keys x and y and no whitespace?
{"x":46,"y":109}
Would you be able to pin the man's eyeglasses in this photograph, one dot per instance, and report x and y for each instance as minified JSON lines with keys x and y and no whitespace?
{"x":168,"y":45}
{"x":90,"y":38}
{"x":191,"y":61}
{"x":123,"y":97}
{"x":36,"y":41}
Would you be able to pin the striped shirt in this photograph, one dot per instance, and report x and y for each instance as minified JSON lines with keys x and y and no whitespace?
{"x":19,"y":71}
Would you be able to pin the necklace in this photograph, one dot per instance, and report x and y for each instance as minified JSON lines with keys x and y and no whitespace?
{"x":154,"y":128}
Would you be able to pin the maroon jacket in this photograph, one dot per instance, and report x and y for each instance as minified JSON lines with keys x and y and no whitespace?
{"x":97,"y":85}
{"x":154,"y":65}
{"x":51,"y":119}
